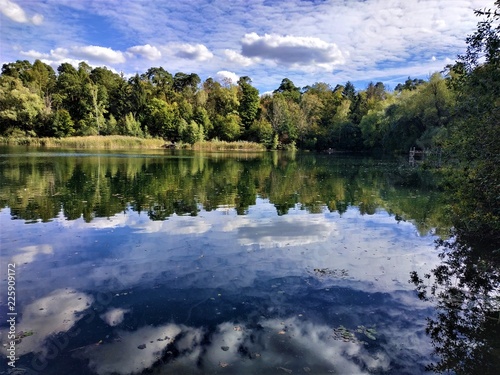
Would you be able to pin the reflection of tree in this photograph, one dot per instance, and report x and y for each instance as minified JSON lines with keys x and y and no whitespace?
{"x":466,"y":290}
{"x":102,"y":186}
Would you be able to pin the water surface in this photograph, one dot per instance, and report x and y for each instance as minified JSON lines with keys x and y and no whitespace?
{"x":219,"y":263}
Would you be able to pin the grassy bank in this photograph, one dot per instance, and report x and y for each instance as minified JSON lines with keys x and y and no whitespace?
{"x":115,"y":142}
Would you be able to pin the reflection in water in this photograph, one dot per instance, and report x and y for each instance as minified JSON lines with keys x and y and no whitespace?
{"x":465,"y":287}
{"x":267,"y":347}
{"x":197,"y":265}
{"x":37,"y":187}
{"x":50,"y":315}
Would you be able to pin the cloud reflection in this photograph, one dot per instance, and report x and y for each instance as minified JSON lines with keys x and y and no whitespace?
{"x":269,"y":347}
{"x":282,"y":231}
{"x":114,"y":317}
{"x":28,"y":254}
{"x":55,"y":313}
{"x":133,"y":352}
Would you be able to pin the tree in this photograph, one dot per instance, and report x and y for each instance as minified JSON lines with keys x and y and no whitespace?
{"x":19,"y":69}
{"x":162,"y":119}
{"x":466,"y":285}
{"x":20,"y":109}
{"x":249,"y":103}
{"x":288,"y":90}
{"x":42,"y":80}
{"x":475,"y":131}
{"x":139,"y":96}
{"x":410,"y":84}
{"x":186,"y":83}
{"x":63,"y":125}
{"x":161,"y":81}
{"x":349,"y":91}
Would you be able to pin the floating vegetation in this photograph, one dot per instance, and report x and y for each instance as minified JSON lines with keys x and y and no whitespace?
{"x":327,"y":272}
{"x":368,"y":332}
{"x":343,"y":334}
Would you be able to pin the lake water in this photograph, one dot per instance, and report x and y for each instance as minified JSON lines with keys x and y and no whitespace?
{"x":179,"y":263}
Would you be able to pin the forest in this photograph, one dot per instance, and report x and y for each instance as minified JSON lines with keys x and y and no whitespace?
{"x":36,"y":101}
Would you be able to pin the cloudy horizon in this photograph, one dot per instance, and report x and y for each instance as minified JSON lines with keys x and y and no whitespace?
{"x":306,"y":41}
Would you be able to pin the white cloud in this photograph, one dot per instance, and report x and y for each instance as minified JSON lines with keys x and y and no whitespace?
{"x":239,"y":59}
{"x":97,"y":53}
{"x":292,"y":50}
{"x":351,"y":38}
{"x":35,"y":54}
{"x":197,"y":52}
{"x":93,"y":55}
{"x":37,"y":19}
{"x":147,"y":51}
{"x":224,"y":76}
{"x":17,"y":14}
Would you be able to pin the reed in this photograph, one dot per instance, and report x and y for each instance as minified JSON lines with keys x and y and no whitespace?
{"x":88,"y":142}
{"x":217,"y":145}
{"x":127,"y":142}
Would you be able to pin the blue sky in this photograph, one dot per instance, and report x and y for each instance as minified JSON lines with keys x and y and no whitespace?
{"x":307,"y":41}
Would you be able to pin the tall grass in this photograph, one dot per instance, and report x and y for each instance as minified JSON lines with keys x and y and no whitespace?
{"x":216,"y":145}
{"x":128,"y":142}
{"x":87,"y":142}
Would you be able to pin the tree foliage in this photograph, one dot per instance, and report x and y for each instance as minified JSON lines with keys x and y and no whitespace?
{"x":158,"y":103}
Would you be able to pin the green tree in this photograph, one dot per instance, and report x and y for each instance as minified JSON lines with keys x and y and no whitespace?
{"x":20,"y":109}
{"x":62,"y":125}
{"x":162,"y":119}
{"x":475,"y":131}
{"x":249,"y":103}
{"x":289,"y":90}
{"x":19,"y":69}
{"x":162,"y":83}
{"x":410,"y":84}
{"x":130,"y":126}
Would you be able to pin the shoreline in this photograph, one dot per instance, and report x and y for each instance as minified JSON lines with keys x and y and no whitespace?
{"x":117,"y":142}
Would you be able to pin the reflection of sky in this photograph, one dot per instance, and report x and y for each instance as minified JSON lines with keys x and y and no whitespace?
{"x":52,"y":314}
{"x":273,"y":346}
{"x":261,"y":257}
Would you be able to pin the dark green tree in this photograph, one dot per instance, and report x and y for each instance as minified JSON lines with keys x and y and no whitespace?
{"x":249,"y":103}
{"x":289,"y":90}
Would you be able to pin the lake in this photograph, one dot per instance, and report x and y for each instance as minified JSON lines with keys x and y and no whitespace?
{"x":253,"y":263}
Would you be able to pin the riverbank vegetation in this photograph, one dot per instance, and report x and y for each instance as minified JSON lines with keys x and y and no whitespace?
{"x":35,"y":101}
{"x":465,"y":286}
{"x":86,"y":142}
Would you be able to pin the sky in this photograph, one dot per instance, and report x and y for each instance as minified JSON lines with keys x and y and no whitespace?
{"x":307,"y":41}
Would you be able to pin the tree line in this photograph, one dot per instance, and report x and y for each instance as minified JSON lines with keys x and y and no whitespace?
{"x":36,"y":101}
